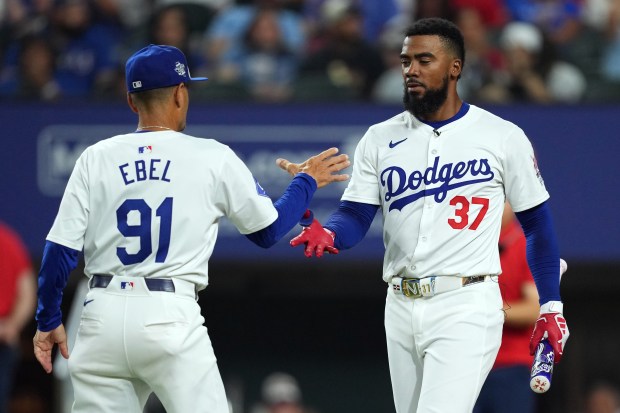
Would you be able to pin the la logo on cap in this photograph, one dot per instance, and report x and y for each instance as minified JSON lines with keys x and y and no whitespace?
{"x":136,"y":84}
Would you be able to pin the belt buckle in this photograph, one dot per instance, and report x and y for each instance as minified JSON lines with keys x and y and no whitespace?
{"x":410,"y":288}
{"x":417,"y":288}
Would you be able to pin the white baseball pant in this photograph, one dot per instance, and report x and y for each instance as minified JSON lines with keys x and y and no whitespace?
{"x":132,"y":341}
{"x":441,"y":348}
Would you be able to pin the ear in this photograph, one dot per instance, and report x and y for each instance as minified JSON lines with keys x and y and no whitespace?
{"x":180,"y":95}
{"x":455,"y":70}
{"x":132,"y":105}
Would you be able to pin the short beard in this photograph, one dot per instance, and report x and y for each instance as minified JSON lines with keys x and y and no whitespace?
{"x":430,"y":102}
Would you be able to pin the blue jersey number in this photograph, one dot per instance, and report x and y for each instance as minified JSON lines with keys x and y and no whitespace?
{"x":143,"y":230}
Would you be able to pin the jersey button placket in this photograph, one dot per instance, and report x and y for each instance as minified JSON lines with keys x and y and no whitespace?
{"x":427,"y":217}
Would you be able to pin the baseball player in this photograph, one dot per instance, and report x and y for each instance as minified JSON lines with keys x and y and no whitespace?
{"x":440,"y":172}
{"x":145,"y":208}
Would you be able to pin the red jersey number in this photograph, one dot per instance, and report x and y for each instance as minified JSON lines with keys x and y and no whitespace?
{"x":461,"y":219}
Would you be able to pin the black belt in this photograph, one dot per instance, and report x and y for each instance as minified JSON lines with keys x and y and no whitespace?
{"x":153,"y":284}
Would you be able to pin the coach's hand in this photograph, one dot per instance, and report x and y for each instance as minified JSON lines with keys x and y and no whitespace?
{"x":321,"y":167}
{"x":316,"y":239}
{"x":552,"y":326}
{"x":44,"y":343}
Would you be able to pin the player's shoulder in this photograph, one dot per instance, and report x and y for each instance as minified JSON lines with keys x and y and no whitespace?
{"x":203,"y":143}
{"x":104,"y":145}
{"x":402,"y":119}
{"x":396,"y":125}
{"x":487,"y":119}
{"x":206,"y":148}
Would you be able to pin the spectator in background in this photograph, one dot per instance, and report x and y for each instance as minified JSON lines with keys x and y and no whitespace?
{"x":530,"y":72}
{"x":213,"y":5}
{"x":86,"y":62}
{"x":224,"y":39}
{"x":559,"y":20}
{"x":342,"y":54}
{"x":281,"y":394}
{"x":603,"y":398}
{"x":604,"y":16}
{"x":505,"y":389}
{"x":33,"y":77}
{"x":493,"y":13}
{"x":130,"y":15}
{"x":266,"y":66}
{"x":170,"y":26}
{"x":17,"y":303}
{"x":483,"y":57}
{"x":377,"y":15}
{"x":433,"y":8}
{"x":22,"y":17}
{"x":389,"y":87}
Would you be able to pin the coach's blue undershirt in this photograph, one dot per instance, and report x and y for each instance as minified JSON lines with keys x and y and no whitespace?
{"x":58,"y":262}
{"x":291,"y":207}
{"x":353,"y":219}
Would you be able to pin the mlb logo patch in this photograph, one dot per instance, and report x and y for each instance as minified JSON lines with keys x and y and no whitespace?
{"x":145,"y":149}
{"x":127,"y":285}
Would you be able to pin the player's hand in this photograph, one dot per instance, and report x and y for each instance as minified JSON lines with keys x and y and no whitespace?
{"x":321,"y":167}
{"x":44,"y":343}
{"x":316,"y":239}
{"x":552,"y":326}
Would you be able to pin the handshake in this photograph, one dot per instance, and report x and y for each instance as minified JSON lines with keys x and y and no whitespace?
{"x":316,"y":238}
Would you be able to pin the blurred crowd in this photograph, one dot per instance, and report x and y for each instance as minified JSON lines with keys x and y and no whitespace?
{"x":518,"y":51}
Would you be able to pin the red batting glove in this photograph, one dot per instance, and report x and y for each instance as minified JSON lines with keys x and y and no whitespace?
{"x":317,"y":239}
{"x":551,"y":325}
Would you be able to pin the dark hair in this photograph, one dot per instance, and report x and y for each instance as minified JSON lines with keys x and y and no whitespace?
{"x":148,"y":99}
{"x":451,"y":36}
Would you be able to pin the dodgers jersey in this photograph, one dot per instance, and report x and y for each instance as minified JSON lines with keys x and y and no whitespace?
{"x":442,"y":192}
{"x":148,"y":204}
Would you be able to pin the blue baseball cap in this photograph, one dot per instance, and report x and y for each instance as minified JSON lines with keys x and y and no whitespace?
{"x":157,"y":66}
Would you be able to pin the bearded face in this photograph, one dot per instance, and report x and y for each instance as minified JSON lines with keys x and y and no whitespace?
{"x":422,"y":104}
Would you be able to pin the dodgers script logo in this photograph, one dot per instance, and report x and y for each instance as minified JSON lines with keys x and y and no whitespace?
{"x":396,"y":182}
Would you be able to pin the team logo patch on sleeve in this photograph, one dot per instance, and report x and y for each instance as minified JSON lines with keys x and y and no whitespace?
{"x":145,"y":149}
{"x":259,"y":189}
{"x":538,"y":174}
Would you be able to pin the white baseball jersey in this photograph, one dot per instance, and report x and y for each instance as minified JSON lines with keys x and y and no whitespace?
{"x":148,"y":204}
{"x":442,"y":192}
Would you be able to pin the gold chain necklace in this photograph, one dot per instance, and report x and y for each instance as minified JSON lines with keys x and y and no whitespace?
{"x":152,"y":126}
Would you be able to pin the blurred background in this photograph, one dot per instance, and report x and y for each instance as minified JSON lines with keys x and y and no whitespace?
{"x":289,"y":78}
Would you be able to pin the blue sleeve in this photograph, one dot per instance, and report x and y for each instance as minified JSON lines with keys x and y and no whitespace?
{"x":350,"y":223}
{"x":543,"y":253}
{"x":291,"y":207}
{"x":58,"y":262}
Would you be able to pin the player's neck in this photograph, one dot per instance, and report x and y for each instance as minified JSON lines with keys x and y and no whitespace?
{"x":448,"y":110}
{"x":155,"y":124}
